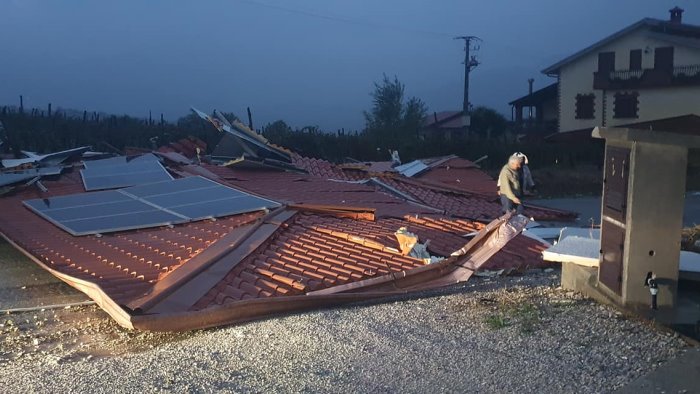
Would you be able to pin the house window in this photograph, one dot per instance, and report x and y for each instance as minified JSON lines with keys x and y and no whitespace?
{"x":626,"y":105}
{"x":606,"y":62}
{"x":636,"y":59}
{"x":663,"y":58}
{"x":585,"y":106}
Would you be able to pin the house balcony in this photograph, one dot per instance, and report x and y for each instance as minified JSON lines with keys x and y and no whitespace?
{"x":647,"y":78}
{"x":533,"y":126}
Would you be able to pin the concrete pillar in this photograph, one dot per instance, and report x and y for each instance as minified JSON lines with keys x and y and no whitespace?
{"x":651,"y":218}
{"x":654,"y":221}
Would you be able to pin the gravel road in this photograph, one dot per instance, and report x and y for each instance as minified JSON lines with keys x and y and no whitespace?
{"x":488,"y":335}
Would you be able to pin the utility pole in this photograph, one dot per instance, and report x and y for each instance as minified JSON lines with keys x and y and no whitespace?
{"x":529,"y":94}
{"x":470,"y":63}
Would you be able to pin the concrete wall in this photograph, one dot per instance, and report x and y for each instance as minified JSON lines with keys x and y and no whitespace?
{"x":654,"y":219}
{"x":659,"y":103}
{"x":577,"y":78}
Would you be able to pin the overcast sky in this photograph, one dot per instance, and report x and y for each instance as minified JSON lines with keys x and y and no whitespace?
{"x":308,"y":62}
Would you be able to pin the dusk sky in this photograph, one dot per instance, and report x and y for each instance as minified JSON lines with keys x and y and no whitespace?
{"x":308,"y":62}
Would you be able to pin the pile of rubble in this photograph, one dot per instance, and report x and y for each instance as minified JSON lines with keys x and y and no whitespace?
{"x":174,"y":240}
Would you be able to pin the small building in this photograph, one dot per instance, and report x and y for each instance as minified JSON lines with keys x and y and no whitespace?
{"x":445,"y":124}
{"x":645,"y":72}
{"x":542,"y":112}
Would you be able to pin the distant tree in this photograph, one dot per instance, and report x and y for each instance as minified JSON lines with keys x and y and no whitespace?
{"x":279,"y":132}
{"x":487,"y":123}
{"x":195,"y":123}
{"x":413,"y":114}
{"x":277,"y":127}
{"x":392,"y":122}
{"x":192,"y":122}
{"x":387,"y":105}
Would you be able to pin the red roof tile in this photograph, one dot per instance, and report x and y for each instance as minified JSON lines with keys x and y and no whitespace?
{"x":252,"y":257}
{"x":473,"y":192}
{"x":309,"y":254}
{"x":520,"y":254}
{"x":370,"y":167}
{"x":461,"y":174}
{"x":318,"y":167}
{"x":464,"y":206}
{"x":123,"y":264}
{"x":185,"y":146}
{"x":296,"y":188}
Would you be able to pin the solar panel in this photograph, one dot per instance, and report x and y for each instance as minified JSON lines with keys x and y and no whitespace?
{"x":180,"y":185}
{"x":9,"y":178}
{"x":158,"y":204}
{"x":412,"y":168}
{"x":129,"y":221}
{"x":117,"y":172}
{"x":119,"y":160}
{"x":200,"y":198}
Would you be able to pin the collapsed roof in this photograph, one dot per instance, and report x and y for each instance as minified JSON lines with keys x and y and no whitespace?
{"x":326,"y":236}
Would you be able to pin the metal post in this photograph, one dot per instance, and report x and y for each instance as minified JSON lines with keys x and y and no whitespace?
{"x":530,"y":81}
{"x":465,"y":105}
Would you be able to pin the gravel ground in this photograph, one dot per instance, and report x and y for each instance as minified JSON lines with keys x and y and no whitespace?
{"x":488,"y":335}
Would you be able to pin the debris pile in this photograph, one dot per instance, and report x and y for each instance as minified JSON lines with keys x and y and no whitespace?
{"x":174,"y":240}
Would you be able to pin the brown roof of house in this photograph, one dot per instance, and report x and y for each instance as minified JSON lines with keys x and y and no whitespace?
{"x":549,"y":92}
{"x":444,"y":120}
{"x":208,"y":264}
{"x":451,"y":186}
{"x":331,"y":242}
{"x":459,"y":173}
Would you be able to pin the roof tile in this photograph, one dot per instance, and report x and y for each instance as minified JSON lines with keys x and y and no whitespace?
{"x":309,"y":251}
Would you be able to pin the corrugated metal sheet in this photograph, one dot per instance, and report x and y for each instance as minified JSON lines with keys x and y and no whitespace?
{"x":412,"y":168}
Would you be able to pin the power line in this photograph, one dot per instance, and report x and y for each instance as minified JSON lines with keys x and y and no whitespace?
{"x":345,"y":20}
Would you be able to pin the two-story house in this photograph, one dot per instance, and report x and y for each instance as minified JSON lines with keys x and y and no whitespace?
{"x":647,"y":74}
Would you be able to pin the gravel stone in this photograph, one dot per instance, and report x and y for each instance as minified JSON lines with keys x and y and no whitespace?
{"x":511,"y":334}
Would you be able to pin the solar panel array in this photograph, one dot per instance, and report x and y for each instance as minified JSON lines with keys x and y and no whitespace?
{"x":122,"y":171}
{"x":13,"y":177}
{"x":9,"y":178}
{"x":158,"y":204}
{"x":119,"y":160}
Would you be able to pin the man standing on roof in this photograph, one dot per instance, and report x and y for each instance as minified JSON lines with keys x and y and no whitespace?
{"x":510,"y":186}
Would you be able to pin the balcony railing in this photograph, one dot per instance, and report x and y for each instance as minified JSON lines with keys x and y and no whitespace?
{"x":687,"y":71}
{"x":648,"y":78}
{"x":527,"y":126}
{"x":625,"y":75}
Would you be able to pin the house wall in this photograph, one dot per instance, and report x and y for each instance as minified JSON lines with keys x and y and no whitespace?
{"x":577,"y":78}
{"x":550,"y":110}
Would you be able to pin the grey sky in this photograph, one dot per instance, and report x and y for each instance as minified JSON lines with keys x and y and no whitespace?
{"x":306,"y":66}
